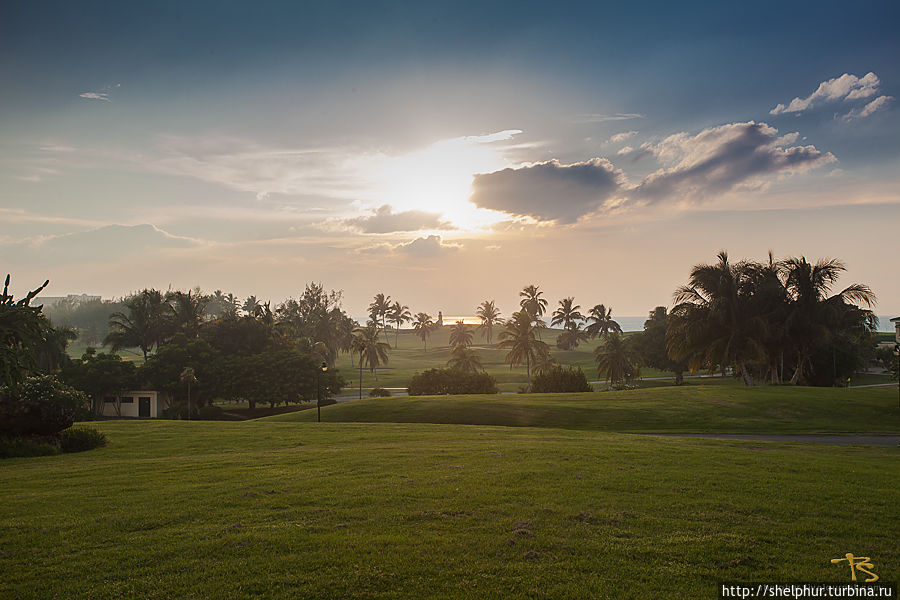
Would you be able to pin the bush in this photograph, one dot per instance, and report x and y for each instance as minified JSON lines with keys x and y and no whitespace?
{"x":79,"y":439}
{"x":22,"y":447}
{"x":380,"y":393}
{"x":561,"y":379}
{"x":451,"y":381}
{"x":41,"y":405}
{"x":178,"y":410}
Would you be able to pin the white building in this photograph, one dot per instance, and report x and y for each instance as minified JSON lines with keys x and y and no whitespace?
{"x":896,"y":322}
{"x":140,"y":403}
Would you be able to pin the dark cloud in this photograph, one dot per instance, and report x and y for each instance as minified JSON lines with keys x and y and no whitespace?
{"x":427,"y":247}
{"x":549,"y":191}
{"x":720,"y":159}
{"x":386,"y":221}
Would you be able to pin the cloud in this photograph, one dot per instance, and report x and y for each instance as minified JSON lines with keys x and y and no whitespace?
{"x":625,"y":150}
{"x":103,"y":94}
{"x":95,"y":96}
{"x":109,"y":242}
{"x":427,"y":247}
{"x":549,"y":191}
{"x":720,"y":159}
{"x":621,"y":137}
{"x":602,"y":118}
{"x":846,"y":87}
{"x":879,"y":103}
{"x":386,"y":221}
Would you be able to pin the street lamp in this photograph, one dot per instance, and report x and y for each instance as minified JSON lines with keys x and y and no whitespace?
{"x":321,"y":370}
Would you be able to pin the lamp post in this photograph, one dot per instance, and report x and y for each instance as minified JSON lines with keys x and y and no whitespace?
{"x":319,"y":373}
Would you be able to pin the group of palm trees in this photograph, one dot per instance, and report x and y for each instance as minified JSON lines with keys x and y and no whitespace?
{"x":767,"y":321}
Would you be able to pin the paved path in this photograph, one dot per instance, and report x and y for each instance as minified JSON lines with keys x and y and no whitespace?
{"x":836,"y":440}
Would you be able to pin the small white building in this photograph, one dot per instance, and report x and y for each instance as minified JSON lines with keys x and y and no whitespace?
{"x":896,"y":322}
{"x":140,"y":403}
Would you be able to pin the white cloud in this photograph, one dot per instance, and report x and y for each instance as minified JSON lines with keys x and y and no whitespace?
{"x":721,"y":159}
{"x":625,"y":150}
{"x":621,"y":137}
{"x":846,"y":87}
{"x":427,"y":247}
{"x":879,"y":103}
{"x":384,"y":220}
{"x":96,"y":96}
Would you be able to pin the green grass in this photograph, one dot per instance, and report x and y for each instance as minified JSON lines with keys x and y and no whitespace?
{"x":691,"y":408}
{"x":265,"y":509}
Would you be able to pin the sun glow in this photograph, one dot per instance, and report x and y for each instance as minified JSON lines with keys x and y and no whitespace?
{"x":438,"y":178}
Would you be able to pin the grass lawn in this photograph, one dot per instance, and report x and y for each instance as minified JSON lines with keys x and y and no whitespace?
{"x":267,"y":509}
{"x":696,"y":407}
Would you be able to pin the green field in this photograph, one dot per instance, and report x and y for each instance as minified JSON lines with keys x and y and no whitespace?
{"x":274,"y":509}
{"x":690,"y":408}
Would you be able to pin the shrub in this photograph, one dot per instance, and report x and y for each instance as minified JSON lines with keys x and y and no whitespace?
{"x":561,"y":379}
{"x":451,"y":381}
{"x":41,"y":405}
{"x":21,"y":447}
{"x":79,"y":439}
{"x":380,"y":392}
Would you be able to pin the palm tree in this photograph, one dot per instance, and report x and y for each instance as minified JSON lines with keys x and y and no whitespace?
{"x":532,"y":302}
{"x":490,"y":316}
{"x":423,"y":325}
{"x":519,"y":337}
{"x":146,"y":325}
{"x":460,"y":335}
{"x":571,"y":337}
{"x":372,"y":353}
{"x":567,"y":314}
{"x":189,"y":309}
{"x":398,"y":315}
{"x":379,"y":308}
{"x":812,"y":314}
{"x":464,"y":359}
{"x":601,"y":322}
{"x":713,"y":323}
{"x":616,"y":362}
{"x":250,"y":306}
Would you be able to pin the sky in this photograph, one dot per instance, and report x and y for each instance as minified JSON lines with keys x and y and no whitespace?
{"x":445,"y":153}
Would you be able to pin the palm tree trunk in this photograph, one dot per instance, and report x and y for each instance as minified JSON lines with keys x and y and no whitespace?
{"x":748,"y":378}
{"x":360,"y":375}
{"x":798,"y":372}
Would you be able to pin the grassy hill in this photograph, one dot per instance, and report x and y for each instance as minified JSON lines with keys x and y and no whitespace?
{"x":694,"y":408}
{"x":343,"y":510}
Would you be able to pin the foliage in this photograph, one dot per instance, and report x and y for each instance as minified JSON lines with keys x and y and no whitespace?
{"x":241,"y":336}
{"x":147,"y":322}
{"x":380,"y":392}
{"x":464,"y":359}
{"x":80,"y":439}
{"x":210,"y":412}
{"x":451,"y":381}
{"x":22,"y":328}
{"x":616,"y":361}
{"x":519,"y":337}
{"x":490,"y":316}
{"x":423,"y":325}
{"x":25,"y":447}
{"x":89,"y":318}
{"x":763,"y":320}
{"x":163,"y":370}
{"x":99,"y":375}
{"x":650,"y":345}
{"x":275,"y":376}
{"x":600,"y":322}
{"x":398,"y":315}
{"x":41,"y":405}
{"x":560,"y":379}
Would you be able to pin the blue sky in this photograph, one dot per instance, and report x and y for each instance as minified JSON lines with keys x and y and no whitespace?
{"x":444,"y":153}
